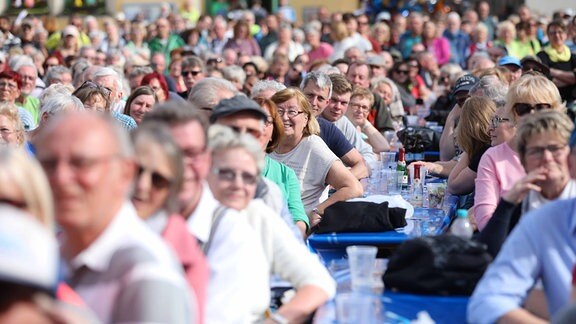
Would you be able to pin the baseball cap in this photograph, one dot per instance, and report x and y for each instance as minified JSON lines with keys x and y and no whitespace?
{"x":70,"y":31}
{"x":28,"y":251}
{"x":509,"y":60}
{"x":534,"y":63}
{"x":465,"y":83}
{"x":238,"y":103}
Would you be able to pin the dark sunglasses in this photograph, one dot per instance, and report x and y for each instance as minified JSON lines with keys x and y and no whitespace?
{"x":522,"y":109}
{"x":460,"y":101}
{"x":158,"y":181}
{"x":402,"y":71}
{"x":194,"y":73}
{"x":91,"y":85}
{"x":214,"y":61}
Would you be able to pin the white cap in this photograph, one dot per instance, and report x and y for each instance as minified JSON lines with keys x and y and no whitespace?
{"x":28,"y":251}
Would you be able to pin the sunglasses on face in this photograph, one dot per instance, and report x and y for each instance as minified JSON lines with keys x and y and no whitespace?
{"x":402,"y":71}
{"x":522,"y":109}
{"x":462,"y":100}
{"x":158,"y":180}
{"x":194,"y":73}
{"x":229,"y":175}
{"x":214,"y":61}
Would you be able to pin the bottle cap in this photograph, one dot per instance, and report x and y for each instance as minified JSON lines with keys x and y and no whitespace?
{"x":462,"y":213}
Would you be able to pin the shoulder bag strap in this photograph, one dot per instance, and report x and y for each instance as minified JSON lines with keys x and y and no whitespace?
{"x":216,"y":218}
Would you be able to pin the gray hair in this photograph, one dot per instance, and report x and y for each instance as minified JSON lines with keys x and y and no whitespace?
{"x":222,"y":138}
{"x":264,"y":85}
{"x":208,"y":92}
{"x":328,"y":69}
{"x":55,"y":89}
{"x":139,"y":70}
{"x":105,"y":72}
{"x":78,"y":69}
{"x":59,"y":102}
{"x":491,"y":87}
{"x":18,"y":61}
{"x":396,"y":106}
{"x":54,"y":72}
{"x":321,"y":80}
{"x":234,"y":73}
{"x":192,"y":61}
{"x":175,"y":113}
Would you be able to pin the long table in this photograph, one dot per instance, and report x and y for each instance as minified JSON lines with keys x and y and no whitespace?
{"x":333,"y":246}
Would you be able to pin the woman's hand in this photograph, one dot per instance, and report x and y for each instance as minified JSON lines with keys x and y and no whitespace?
{"x":521,"y":188}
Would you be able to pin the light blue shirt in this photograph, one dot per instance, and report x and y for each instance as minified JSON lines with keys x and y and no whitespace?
{"x":542,"y":246}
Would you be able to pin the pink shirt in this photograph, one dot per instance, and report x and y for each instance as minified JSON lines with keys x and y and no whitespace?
{"x":195,"y":266}
{"x":322,"y":52}
{"x":498,"y":171}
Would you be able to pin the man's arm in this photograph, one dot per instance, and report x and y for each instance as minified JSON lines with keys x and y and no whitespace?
{"x":353,"y":159}
{"x":447,"y":150}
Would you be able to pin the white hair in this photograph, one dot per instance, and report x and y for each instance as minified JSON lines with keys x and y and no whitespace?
{"x":18,"y":61}
{"x":61,"y":102}
{"x":55,"y":71}
{"x":321,"y":80}
{"x":234,"y":73}
{"x":207,"y":92}
{"x":109,"y":72}
{"x":264,"y":85}
{"x":222,"y":138}
{"x":55,"y":89}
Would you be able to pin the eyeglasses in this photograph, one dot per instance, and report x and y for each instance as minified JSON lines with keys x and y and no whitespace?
{"x":537,"y":152}
{"x":496,"y":121}
{"x":14,"y":203}
{"x":461,"y":100}
{"x":358,"y":106}
{"x":247,"y":130}
{"x":229,"y":175}
{"x":290,"y":113}
{"x":91,"y":85}
{"x":214,"y":61}
{"x":522,"y":109}
{"x":402,"y":71}
{"x":194,"y":73}
{"x":8,"y":85}
{"x":158,"y":180}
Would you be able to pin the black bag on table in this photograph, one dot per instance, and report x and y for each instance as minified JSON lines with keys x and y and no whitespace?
{"x":444,"y":265}
{"x":419,"y":139}
{"x":360,"y":217}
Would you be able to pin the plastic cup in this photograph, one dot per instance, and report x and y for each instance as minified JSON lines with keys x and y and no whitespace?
{"x":388,"y":160}
{"x":361,"y":260}
{"x":412,"y":120}
{"x":436,"y":192}
{"x":353,"y":308}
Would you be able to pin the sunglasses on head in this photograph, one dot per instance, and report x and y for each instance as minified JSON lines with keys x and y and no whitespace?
{"x":525,"y":108}
{"x":194,"y":73}
{"x":158,"y":181}
{"x":91,"y":85}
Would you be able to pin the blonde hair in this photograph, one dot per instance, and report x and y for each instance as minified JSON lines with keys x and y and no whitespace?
{"x":364,"y":93}
{"x":506,"y":25}
{"x":339,"y":31}
{"x":312,"y":126}
{"x":20,"y":171}
{"x":10,"y":110}
{"x":547,"y":121}
{"x":474,"y":125}
{"x":532,"y":89}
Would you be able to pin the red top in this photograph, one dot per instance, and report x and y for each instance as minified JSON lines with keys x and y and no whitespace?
{"x":195,"y":266}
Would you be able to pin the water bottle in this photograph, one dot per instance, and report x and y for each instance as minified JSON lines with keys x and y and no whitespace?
{"x":461,"y":226}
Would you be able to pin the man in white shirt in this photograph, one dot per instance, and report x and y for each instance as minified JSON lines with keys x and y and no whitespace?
{"x":113,"y":261}
{"x":238,"y":269}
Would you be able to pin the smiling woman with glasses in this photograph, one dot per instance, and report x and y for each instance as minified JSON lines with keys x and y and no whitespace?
{"x":306,"y":153}
{"x":156,"y":186}
{"x":237,"y":162}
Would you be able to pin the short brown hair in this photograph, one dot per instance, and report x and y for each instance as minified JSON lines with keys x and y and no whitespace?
{"x":340,"y":84}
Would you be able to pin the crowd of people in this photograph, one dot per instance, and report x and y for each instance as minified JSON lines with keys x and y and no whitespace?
{"x":170,"y":171}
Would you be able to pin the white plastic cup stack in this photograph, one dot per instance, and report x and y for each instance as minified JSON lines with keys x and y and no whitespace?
{"x":361,"y":260}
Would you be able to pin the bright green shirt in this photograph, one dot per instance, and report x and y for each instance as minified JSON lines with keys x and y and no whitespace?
{"x":32,"y":105}
{"x":286,"y":179}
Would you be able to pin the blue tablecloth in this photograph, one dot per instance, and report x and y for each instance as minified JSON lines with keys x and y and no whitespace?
{"x":333,"y":246}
